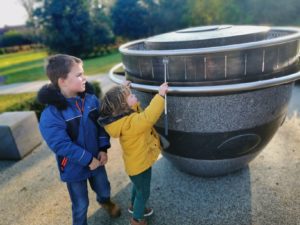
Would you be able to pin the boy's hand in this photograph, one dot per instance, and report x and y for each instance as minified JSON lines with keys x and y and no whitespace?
{"x":94,"y":164}
{"x":127,"y":83}
{"x":102,"y":156}
{"x":163,"y":89}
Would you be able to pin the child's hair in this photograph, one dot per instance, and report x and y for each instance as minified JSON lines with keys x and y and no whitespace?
{"x":58,"y":66}
{"x":114,"y":102}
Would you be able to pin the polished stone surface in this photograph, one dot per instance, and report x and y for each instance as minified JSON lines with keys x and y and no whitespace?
{"x":223,"y":113}
{"x":209,"y":168}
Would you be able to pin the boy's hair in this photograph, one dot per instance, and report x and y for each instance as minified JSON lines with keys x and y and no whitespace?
{"x":58,"y":66}
{"x":114,"y":102}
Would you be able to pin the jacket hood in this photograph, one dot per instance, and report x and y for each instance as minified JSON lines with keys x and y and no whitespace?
{"x":113,"y":127}
{"x":50,"y":95}
{"x":113,"y":124}
{"x":105,"y":120}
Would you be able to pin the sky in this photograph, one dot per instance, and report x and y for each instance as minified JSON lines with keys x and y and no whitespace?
{"x":12,"y":13}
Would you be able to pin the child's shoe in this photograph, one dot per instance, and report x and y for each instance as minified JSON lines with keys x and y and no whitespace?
{"x":140,"y":222}
{"x":112,"y":209}
{"x":147,"y":212}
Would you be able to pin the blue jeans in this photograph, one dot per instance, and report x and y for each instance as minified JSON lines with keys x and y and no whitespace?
{"x":78,"y":192}
{"x":140,"y":192}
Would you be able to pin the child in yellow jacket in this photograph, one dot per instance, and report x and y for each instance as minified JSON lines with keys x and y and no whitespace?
{"x":122,"y":118}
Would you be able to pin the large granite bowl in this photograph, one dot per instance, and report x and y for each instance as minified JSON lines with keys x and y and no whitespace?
{"x":225,"y":100}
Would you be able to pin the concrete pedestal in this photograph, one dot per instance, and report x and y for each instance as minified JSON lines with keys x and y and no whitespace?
{"x":19,"y":134}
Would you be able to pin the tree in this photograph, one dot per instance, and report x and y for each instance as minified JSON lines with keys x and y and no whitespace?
{"x":128,"y":17}
{"x":66,"y":26}
{"x":207,"y":12}
{"x":14,"y":38}
{"x":73,"y":27}
{"x":29,"y":7}
{"x":151,"y":16}
{"x":171,"y":15}
{"x":275,"y":12}
{"x":102,"y":25}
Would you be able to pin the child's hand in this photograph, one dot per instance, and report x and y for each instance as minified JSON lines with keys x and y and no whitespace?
{"x":94,"y":164}
{"x":127,"y":83}
{"x":163,"y":89}
{"x":102,"y":156}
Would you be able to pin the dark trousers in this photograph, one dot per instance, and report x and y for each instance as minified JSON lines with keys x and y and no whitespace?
{"x":78,"y":192}
{"x":140,"y":192}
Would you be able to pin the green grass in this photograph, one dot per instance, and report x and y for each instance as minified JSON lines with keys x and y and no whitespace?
{"x":101,"y":64}
{"x":29,"y":66}
{"x":21,"y":57}
{"x":13,"y":99}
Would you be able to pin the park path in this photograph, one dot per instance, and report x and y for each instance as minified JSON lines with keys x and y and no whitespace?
{"x":34,"y":86}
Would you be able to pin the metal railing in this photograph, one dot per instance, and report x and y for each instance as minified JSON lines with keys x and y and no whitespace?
{"x":209,"y":89}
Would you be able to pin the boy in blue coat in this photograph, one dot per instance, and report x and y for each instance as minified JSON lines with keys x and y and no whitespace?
{"x":68,"y":125}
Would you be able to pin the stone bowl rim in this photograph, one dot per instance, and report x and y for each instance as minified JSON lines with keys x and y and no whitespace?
{"x":125,"y":48}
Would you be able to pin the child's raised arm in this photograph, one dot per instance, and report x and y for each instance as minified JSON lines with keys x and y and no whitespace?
{"x":152,"y":112}
{"x":163,"y":89}
{"x":127,"y":83}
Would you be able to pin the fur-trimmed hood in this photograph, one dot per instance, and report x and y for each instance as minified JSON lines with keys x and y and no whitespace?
{"x":103,"y":121}
{"x":50,"y":95}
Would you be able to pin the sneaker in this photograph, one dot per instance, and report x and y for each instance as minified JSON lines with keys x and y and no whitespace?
{"x":112,"y":209}
{"x":147,"y":212}
{"x":140,"y":222}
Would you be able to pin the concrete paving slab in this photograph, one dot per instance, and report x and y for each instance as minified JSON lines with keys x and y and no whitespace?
{"x":267,"y":192}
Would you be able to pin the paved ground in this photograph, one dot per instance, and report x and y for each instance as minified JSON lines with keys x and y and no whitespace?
{"x":267,"y":192}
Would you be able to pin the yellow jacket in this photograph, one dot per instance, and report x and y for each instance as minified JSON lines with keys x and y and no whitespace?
{"x":138,"y":138}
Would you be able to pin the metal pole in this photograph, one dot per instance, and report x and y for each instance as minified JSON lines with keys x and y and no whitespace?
{"x":165,"y":62}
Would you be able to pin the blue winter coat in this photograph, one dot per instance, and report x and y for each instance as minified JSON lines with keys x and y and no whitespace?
{"x":69,"y":127}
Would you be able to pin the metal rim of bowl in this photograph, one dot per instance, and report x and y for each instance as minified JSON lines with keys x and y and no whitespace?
{"x":210,"y":89}
{"x":124,"y":49}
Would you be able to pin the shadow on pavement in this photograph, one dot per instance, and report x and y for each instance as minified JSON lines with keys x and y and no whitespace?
{"x":178,"y":198}
{"x":10,"y":169}
{"x":5,"y":164}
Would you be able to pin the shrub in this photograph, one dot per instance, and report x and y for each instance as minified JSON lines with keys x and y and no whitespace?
{"x":97,"y":89}
{"x":28,"y":105}
{"x":14,"y":38}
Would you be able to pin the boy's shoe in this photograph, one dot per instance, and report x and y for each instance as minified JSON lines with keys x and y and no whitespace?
{"x":147,"y":212}
{"x":140,"y":222}
{"x":112,"y":209}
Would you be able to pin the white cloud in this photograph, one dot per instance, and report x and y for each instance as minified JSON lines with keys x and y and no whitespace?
{"x":12,"y":13}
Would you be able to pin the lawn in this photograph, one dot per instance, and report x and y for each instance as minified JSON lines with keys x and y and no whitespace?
{"x":29,"y":66}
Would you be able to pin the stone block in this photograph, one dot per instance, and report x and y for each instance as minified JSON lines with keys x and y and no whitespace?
{"x":19,"y":134}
